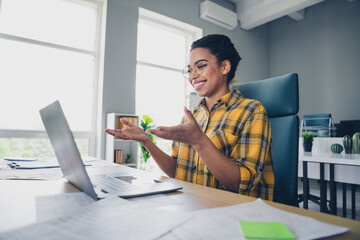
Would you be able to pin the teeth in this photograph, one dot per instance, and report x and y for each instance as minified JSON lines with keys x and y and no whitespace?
{"x":198,"y":84}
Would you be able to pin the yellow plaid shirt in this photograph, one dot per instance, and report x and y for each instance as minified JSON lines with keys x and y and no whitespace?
{"x":240,"y":129}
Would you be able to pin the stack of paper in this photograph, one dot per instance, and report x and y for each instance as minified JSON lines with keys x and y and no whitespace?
{"x":116,"y":218}
{"x":111,"y":218}
{"x":223,"y":223}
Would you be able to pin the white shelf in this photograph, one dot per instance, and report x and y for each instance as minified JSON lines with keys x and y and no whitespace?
{"x":112,"y":144}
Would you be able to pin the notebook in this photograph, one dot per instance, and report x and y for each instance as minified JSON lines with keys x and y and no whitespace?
{"x":72,"y":166}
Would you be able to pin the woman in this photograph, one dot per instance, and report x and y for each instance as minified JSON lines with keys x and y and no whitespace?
{"x":225,"y":142}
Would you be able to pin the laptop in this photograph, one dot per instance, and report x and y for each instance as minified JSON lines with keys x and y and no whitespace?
{"x":73,"y":168}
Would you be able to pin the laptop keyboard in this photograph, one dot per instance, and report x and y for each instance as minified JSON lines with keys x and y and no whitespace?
{"x":111,"y":185}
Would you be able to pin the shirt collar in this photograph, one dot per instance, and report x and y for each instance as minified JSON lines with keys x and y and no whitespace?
{"x":228,"y":99}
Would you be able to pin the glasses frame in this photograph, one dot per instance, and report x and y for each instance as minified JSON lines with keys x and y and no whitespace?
{"x":195,"y":69}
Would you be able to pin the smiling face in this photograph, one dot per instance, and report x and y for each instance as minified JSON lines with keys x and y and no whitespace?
{"x":211,"y":83}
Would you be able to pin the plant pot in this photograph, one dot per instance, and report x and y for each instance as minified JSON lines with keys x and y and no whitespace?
{"x":307,"y":147}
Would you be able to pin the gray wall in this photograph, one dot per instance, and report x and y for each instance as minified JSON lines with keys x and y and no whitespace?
{"x":324,"y":49}
{"x":120,"y":49}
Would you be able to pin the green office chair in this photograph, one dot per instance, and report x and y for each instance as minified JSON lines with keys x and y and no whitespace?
{"x":280,"y":97}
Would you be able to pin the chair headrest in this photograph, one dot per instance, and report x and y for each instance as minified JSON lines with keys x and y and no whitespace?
{"x":279,"y":95}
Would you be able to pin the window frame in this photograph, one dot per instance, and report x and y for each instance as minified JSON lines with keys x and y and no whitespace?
{"x":98,"y":54}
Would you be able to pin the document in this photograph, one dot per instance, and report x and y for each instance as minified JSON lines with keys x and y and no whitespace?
{"x":43,"y":163}
{"x":116,"y":218}
{"x":38,"y":169}
{"x":35,"y":174}
{"x":110,"y":218}
{"x":61,"y":205}
{"x":223,"y":223}
{"x":158,"y":201}
{"x":36,"y":164}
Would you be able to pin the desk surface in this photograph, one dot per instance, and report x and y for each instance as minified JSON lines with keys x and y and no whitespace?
{"x":334,"y":158}
{"x":17,"y":202}
{"x":347,"y":166}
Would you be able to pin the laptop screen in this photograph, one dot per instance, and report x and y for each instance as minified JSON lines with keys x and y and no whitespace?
{"x":65,"y":148}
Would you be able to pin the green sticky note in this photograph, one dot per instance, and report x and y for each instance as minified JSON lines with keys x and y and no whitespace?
{"x":265,"y":230}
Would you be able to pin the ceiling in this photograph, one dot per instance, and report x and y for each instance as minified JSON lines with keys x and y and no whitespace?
{"x":253,"y":13}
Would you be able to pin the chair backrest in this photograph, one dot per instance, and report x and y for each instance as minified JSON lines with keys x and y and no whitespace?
{"x":280,"y":97}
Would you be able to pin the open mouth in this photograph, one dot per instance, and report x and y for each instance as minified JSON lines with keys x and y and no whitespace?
{"x":198,"y":85}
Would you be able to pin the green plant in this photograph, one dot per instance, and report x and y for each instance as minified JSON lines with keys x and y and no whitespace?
{"x":356,"y":143}
{"x":336,"y":148}
{"x":347,"y":142}
{"x":128,"y":158}
{"x":145,"y":124}
{"x":308,"y":137}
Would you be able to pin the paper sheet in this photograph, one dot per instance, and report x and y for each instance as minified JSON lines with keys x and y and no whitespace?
{"x":222,"y":223}
{"x":156,"y":201}
{"x":40,"y":163}
{"x":111,"y":218}
{"x":32,"y":173}
{"x":116,"y":218}
{"x":36,"y":174}
{"x":61,"y":205}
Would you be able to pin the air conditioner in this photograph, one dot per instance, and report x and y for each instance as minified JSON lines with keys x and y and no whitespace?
{"x":218,"y":15}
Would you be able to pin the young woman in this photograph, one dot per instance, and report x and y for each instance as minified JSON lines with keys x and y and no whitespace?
{"x":224,"y":142}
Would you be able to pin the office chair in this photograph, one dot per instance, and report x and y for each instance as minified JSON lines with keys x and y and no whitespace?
{"x":280,"y":97}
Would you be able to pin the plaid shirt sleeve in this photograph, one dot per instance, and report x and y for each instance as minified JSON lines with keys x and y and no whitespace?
{"x":252,"y":153}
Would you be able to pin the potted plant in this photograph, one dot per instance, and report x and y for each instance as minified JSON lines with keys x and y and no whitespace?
{"x":145,"y":124}
{"x":308,"y":138}
{"x":356,"y":143}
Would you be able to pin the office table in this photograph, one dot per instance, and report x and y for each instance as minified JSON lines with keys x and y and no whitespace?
{"x":342,"y":168}
{"x":17,"y":201}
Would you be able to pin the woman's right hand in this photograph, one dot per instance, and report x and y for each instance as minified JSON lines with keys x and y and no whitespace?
{"x":131,"y":132}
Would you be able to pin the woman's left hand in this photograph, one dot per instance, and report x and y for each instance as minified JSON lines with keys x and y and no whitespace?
{"x":189,"y":132}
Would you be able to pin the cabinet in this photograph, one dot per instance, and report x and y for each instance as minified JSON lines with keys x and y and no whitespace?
{"x":113,"y":144}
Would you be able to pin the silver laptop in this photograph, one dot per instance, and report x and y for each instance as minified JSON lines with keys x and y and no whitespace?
{"x":72,"y":166}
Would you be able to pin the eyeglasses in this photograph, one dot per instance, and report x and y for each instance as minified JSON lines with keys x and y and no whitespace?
{"x":197,"y":68}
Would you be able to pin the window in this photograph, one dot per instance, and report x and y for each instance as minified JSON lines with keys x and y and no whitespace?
{"x":162,"y":52}
{"x":49,"y":51}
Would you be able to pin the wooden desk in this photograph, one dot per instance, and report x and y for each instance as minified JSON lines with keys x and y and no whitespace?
{"x":17,"y":202}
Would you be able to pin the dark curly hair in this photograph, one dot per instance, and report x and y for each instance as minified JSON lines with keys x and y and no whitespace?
{"x":222,"y":48}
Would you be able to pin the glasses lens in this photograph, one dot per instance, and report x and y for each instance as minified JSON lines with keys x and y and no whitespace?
{"x":186,"y":72}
